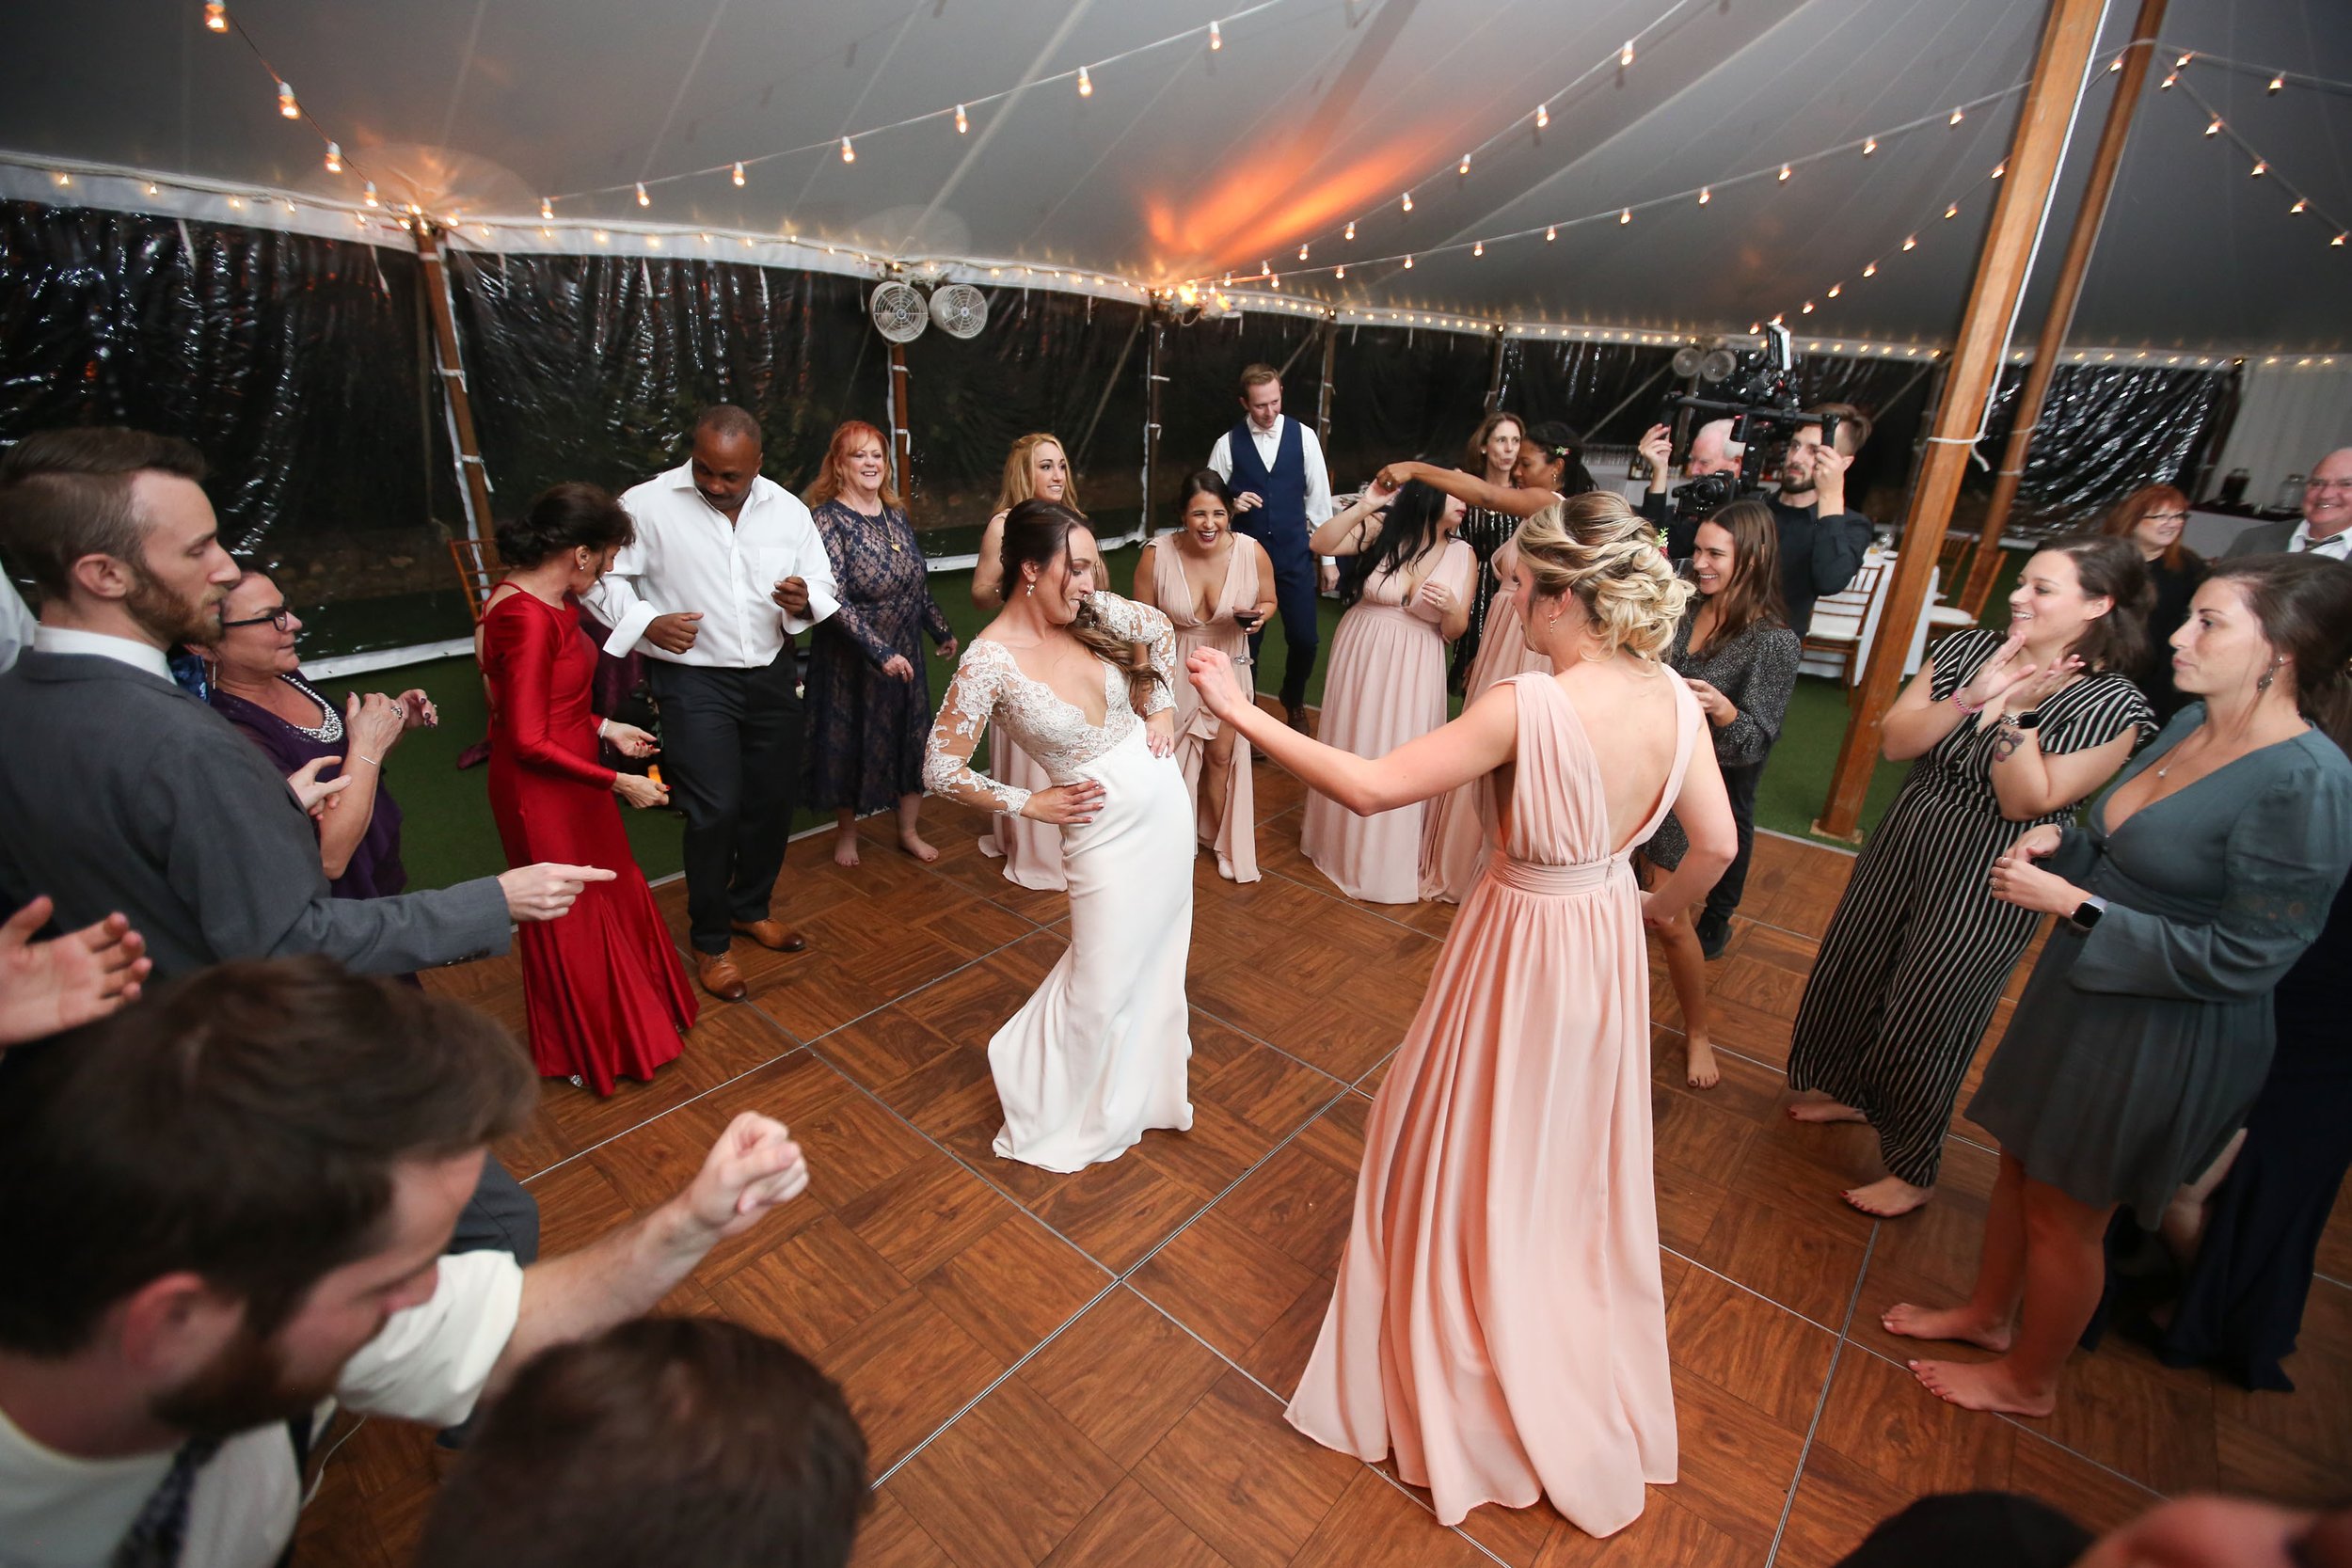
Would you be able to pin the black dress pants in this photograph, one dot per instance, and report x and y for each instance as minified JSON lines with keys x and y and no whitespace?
{"x":731,"y":754}
{"x":1739,"y":783}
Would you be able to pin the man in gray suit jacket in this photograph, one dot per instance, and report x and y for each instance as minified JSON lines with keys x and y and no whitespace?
{"x":2325,"y":526}
{"x":118,"y":791}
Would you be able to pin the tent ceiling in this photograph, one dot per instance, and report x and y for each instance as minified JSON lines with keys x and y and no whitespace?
{"x":1184,"y":163}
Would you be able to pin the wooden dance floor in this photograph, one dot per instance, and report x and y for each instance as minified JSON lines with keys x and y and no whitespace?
{"x":1091,"y":1368}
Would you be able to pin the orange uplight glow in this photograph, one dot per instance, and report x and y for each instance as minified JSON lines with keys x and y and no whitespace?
{"x":1269,"y":205}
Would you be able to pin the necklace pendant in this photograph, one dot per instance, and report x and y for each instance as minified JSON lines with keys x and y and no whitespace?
{"x":897,"y":549}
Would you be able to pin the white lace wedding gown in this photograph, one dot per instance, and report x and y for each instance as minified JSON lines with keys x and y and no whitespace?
{"x":1099,"y":1053}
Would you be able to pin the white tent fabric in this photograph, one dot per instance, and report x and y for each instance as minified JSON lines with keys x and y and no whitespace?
{"x":1186,"y":162}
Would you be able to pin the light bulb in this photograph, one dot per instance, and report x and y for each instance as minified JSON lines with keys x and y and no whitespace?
{"x":1625,"y":55}
{"x":1551,"y":232}
{"x":1351,"y":230}
{"x":1952,"y":211}
{"x":547,"y":210}
{"x":286,"y":105}
{"x":1340,"y":271}
{"x":1871,"y":271}
{"x":1465,"y":165}
{"x":1869,"y":145}
{"x":1706,"y":195}
{"x":1408,"y":264}
{"x":1625,"y":215}
{"x":1808,"y":308}
{"x":2278,"y":82}
{"x":1837,"y":289}
{"x":642,"y":200}
{"x":1217,"y":37}
{"x":2300,"y":205}
{"x":2337,"y":242}
{"x":1784,"y":171}
{"x":2215,"y":129}
{"x":368,"y":195}
{"x":1266,"y":269}
{"x":1911,"y":242}
{"x":1479,"y":249}
{"x":1955,"y":120}
{"x":1302,"y":252}
{"x":1543,"y":115}
{"x":2116,"y":64}
{"x":216,"y":15}
{"x":2183,"y":61}
{"x":2169,"y":80}
{"x":738,"y":173}
{"x":2260,"y":169}
{"x":1408,"y":201}
{"x":2000,"y":169}
{"x":334,"y":158}
{"x":964,"y":123}
{"x":1086,"y":84}
{"x":848,"y":153}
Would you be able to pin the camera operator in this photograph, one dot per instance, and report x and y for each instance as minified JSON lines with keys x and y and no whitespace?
{"x":1820,"y":542}
{"x":1712,"y":451}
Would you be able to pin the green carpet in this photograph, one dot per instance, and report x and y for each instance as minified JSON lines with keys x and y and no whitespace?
{"x":447,"y":834}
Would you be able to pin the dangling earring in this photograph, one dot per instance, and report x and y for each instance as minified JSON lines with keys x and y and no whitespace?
{"x":1033,"y":588}
{"x":2264,"y":684}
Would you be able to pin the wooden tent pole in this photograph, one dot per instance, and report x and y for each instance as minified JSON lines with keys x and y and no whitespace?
{"x":1494,"y":375}
{"x":1152,"y":380}
{"x":2067,"y":40}
{"x":473,"y":483}
{"x":1323,"y":392}
{"x":2046,"y":348}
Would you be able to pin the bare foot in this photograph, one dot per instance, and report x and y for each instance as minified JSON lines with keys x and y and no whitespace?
{"x":913,"y":844}
{"x":1698,"y":1063}
{"x":1983,"y":1386}
{"x":845,"y":850}
{"x":1823,"y":1109}
{"x":1947,"y":1323}
{"x":1887,"y":1197}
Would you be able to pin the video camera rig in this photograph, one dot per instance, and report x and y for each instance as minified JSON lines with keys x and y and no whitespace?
{"x":1756,"y":390}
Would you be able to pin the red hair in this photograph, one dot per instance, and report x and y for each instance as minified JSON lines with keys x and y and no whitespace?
{"x":832,"y":474}
{"x":2125,"y":519}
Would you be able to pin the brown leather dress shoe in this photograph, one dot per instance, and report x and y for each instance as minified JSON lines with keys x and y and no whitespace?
{"x":1297,"y":717}
{"x":719,"y":978}
{"x":774,"y":935}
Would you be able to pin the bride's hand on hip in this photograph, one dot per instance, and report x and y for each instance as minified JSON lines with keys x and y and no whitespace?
{"x":1065,"y":805}
{"x":1211,"y":676}
{"x":1159,"y":733}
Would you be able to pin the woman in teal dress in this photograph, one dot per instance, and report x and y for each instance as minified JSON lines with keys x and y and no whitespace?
{"x":2145,"y":1032}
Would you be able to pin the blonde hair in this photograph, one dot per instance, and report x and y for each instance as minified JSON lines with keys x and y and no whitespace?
{"x":1019,"y":485}
{"x":1595,"y":546}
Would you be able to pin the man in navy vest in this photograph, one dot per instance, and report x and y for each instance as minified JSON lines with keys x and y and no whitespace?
{"x":1281,"y":494}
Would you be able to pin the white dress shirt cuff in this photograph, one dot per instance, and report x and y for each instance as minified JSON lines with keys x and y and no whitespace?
{"x":634,"y":623}
{"x":821,"y":604}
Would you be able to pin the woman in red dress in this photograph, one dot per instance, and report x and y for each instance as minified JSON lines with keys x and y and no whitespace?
{"x":604,"y":991}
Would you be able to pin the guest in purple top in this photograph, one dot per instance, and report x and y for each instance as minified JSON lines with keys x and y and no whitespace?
{"x":257,"y":685}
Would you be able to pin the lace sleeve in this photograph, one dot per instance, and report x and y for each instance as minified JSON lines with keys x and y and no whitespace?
{"x":1140,"y":622}
{"x":972,"y":697}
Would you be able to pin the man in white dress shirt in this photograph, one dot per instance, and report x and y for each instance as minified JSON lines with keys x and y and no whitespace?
{"x":227,"y":1205}
{"x":2325,"y":526}
{"x":1281,"y":494}
{"x":726,"y":568}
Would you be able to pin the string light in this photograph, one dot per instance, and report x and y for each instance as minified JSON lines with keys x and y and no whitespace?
{"x":1465,"y":165}
{"x":2182,"y":64}
{"x":1808,"y":308}
{"x":286,"y":105}
{"x":1408,"y":264}
{"x":1911,"y":242}
{"x":964,"y":123}
{"x":1869,"y":145}
{"x":1955,"y":120}
{"x":1625,"y":55}
{"x":739,"y":174}
{"x":642,"y":200}
{"x":2260,"y":168}
{"x":1837,"y":289}
{"x":547,"y":210}
{"x":2337,"y":242}
{"x":1086,"y":84}
{"x":1408,"y":201}
{"x":1706,"y":195}
{"x":1340,"y":271}
{"x":2116,"y":64}
{"x":2169,"y":78}
{"x":1784,"y":171}
{"x":1302,"y":252}
{"x":848,"y":153}
{"x":2215,"y":129}
{"x":1543,"y":115}
{"x":1479,"y":249}
{"x":1952,"y":211}
{"x":2000,"y":169}
{"x":216,"y":15}
{"x":1351,"y":230}
{"x":2299,"y":204}
{"x":334,"y":158}
{"x":2278,"y":82}
{"x":368,"y":195}
{"x":1217,"y":38}
{"x":1550,"y":233}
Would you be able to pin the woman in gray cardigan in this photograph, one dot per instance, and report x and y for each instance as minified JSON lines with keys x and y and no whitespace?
{"x":2144,"y":1034}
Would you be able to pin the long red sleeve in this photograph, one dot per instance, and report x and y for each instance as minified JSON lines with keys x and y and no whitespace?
{"x":519,"y":654}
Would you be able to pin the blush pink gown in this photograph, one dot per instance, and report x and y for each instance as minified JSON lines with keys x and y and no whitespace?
{"x":1454,"y":839}
{"x":1234,"y":841}
{"x":1500,"y":1322}
{"x":1386,"y":687}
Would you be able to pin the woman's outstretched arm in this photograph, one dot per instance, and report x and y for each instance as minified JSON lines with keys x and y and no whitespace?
{"x":1469,"y":489}
{"x":1484,"y":738}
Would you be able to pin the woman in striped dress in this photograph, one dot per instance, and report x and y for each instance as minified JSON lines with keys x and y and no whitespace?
{"x":2009,"y":732}
{"x":1492,"y":453}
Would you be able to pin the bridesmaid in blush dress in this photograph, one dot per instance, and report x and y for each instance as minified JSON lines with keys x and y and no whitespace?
{"x":1453,"y":843}
{"x":603,"y":989}
{"x":1408,"y":583}
{"x":1215,"y":587}
{"x":1036,"y":468}
{"x":1500,"y":1322}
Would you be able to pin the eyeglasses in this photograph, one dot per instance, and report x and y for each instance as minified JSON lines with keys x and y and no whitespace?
{"x":2164,"y":517}
{"x":2328,"y":485}
{"x":277,"y":618}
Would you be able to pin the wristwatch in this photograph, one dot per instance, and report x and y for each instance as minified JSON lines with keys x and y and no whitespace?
{"x":2030,"y":718}
{"x":2087,"y":913}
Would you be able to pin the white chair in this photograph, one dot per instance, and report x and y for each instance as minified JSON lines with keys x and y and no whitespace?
{"x":1835,"y":633}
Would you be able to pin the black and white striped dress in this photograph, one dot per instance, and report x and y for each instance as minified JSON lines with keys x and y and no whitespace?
{"x":1916,"y":953}
{"x":1485,"y":533}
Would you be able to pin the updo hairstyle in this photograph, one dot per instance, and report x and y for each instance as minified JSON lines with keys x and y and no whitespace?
{"x":1595,"y":546}
{"x":567,"y":516}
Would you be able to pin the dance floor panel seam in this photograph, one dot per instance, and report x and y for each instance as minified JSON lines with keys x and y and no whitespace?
{"x":1091,"y":1368}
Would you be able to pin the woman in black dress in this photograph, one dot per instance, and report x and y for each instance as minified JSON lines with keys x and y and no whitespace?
{"x":1736,"y":652}
{"x":868,"y":700}
{"x":2152,"y":519}
{"x":2143,"y":1039}
{"x":2009,"y":732}
{"x":1492,"y":453}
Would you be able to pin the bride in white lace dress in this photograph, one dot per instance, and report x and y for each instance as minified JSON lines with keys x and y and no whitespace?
{"x":1081,"y":681}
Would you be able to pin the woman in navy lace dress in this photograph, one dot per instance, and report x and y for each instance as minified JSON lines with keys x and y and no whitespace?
{"x":867,"y":698}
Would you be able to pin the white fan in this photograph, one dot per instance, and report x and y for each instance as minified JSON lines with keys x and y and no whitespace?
{"x":898,"y":312}
{"x":960,"y":310}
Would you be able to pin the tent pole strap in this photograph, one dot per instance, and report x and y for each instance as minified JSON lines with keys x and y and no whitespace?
{"x":1154,"y":331}
{"x":2060,"y":65}
{"x":472,"y":482}
{"x":902,"y":427}
{"x":2061,"y":313}
{"x":1494,"y":375}
{"x":1323,"y":390}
